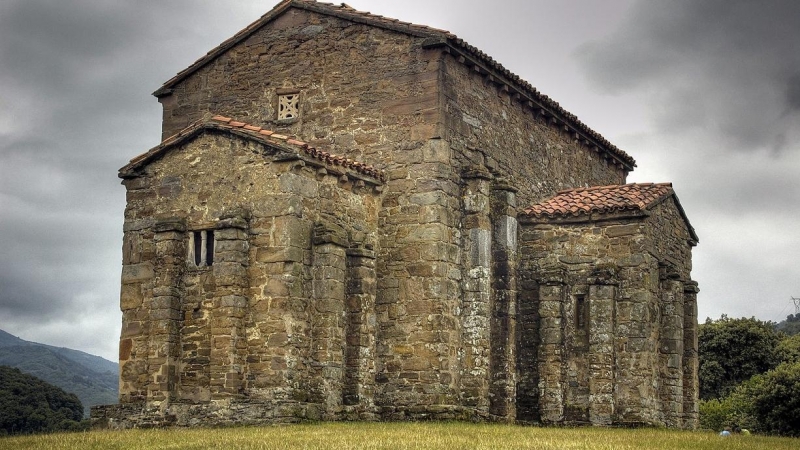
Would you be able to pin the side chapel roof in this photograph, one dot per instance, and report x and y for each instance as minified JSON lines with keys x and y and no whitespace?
{"x":522,"y":91}
{"x":583,"y":203}
{"x":255,"y":133}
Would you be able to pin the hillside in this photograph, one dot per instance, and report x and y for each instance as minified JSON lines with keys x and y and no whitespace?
{"x":93,"y":379}
{"x":30,"y":405}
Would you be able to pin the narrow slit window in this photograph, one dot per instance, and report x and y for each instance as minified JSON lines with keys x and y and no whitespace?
{"x":201,"y":248}
{"x":581,"y":312}
{"x":209,"y":247}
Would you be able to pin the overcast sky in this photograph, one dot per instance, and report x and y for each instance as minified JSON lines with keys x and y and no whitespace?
{"x":705,"y":94}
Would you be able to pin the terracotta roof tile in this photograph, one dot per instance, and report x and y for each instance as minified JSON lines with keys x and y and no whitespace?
{"x":445,"y":37}
{"x":222,"y":122}
{"x":601,"y":199}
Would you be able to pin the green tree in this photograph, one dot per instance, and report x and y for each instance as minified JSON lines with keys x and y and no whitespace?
{"x":789,"y":349}
{"x":733,"y":350}
{"x":790,"y":326}
{"x":29,"y":405}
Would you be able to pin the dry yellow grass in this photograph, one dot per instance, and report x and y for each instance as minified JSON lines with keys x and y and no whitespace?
{"x":434,"y":435}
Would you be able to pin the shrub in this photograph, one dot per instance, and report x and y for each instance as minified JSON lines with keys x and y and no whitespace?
{"x":775,"y":398}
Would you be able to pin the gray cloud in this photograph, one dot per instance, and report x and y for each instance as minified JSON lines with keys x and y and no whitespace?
{"x":75,"y":105}
{"x":75,"y":79}
{"x":721,"y":85}
{"x":793,"y":93}
{"x":729,"y":66}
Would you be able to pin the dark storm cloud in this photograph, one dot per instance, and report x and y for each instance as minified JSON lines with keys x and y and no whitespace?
{"x":721,"y":83}
{"x":730,"y":66}
{"x":75,"y":79}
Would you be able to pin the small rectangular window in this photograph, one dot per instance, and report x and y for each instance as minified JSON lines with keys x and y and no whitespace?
{"x":201,"y":248}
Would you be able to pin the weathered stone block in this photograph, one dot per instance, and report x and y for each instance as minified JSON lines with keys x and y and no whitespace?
{"x":136,"y":273}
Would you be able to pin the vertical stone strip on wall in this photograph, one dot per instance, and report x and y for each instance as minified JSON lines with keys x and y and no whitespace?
{"x":165,"y":311}
{"x":691,"y":386}
{"x":502,"y":390}
{"x":138,"y":252}
{"x":602,"y":294}
{"x":551,"y":313}
{"x":359,"y":382}
{"x":474,"y":353}
{"x":328,"y":317}
{"x":636,"y":342}
{"x":670,"y":356}
{"x":228,"y":332}
{"x":528,"y":325}
{"x":419,"y":291}
{"x":279,"y":340}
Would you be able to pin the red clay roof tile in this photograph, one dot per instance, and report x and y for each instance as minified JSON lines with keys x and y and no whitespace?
{"x":222,"y":122}
{"x":601,"y":199}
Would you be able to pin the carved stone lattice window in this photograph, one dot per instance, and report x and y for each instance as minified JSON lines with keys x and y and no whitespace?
{"x":201,"y":248}
{"x":288,"y":106}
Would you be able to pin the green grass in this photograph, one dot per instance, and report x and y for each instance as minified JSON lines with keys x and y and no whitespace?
{"x":429,"y":435}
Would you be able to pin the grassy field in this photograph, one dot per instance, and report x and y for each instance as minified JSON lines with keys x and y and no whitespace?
{"x":431,"y":435}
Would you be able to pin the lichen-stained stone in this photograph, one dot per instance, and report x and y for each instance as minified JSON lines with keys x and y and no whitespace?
{"x":339,"y":224}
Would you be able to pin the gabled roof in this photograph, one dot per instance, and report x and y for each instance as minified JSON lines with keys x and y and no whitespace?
{"x":521,"y":90}
{"x":286,"y":144}
{"x":634,"y":199}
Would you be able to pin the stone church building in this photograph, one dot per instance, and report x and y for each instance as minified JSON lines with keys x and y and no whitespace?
{"x":352,"y":217}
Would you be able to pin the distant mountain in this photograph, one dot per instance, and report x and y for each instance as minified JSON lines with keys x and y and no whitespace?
{"x":93,"y":379}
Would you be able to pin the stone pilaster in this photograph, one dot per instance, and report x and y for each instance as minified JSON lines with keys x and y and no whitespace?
{"x":228,"y":325}
{"x":691,"y":388}
{"x":502,"y":390}
{"x":602,"y":294}
{"x":670,"y":356}
{"x":476,"y":281}
{"x":165,"y":311}
{"x":328,"y":317}
{"x":138,"y":255}
{"x":360,"y":289}
{"x":551,"y":313}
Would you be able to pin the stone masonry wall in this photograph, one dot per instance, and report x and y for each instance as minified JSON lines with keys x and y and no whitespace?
{"x":332,"y":299}
{"x":614,"y":314}
{"x":599,"y":323}
{"x":372,"y":95}
{"x":487,"y":128}
{"x":667,"y":240}
{"x":247,"y":329}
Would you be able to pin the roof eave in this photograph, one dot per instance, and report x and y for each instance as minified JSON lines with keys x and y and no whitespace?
{"x":134,"y":168}
{"x":582,"y":218}
{"x":527,"y":95}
